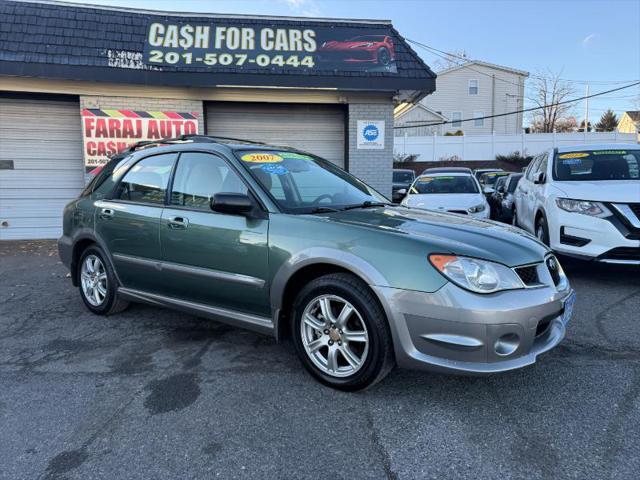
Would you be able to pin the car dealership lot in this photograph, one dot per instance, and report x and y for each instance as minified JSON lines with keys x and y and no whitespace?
{"x":154,"y":393}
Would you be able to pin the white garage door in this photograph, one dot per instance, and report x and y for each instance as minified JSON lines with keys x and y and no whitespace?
{"x":41,"y":165}
{"x":318,"y":129}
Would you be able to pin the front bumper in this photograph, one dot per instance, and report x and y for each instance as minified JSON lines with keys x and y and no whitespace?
{"x":453,"y":330}
{"x":589,"y":237}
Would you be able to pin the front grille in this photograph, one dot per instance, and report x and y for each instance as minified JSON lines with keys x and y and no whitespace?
{"x":528,"y":275}
{"x":622,"y":253}
{"x":554,"y":269}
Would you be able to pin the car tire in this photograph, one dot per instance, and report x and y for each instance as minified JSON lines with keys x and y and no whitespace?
{"x":383,"y":56}
{"x":542,"y":230}
{"x":347,"y":352}
{"x":98,"y":284}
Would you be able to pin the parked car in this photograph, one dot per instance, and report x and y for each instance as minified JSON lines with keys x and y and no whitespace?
{"x":402,"y":180}
{"x":450,"y":192}
{"x":478,"y":172}
{"x":495,"y":198}
{"x":285,"y":243}
{"x":376,"y":49}
{"x":507,"y":204}
{"x":489,"y":179}
{"x":429,"y":171}
{"x":584,"y":201}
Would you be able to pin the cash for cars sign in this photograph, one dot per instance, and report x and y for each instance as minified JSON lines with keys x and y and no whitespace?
{"x":107,"y":132}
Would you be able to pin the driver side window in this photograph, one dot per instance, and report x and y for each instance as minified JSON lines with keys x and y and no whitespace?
{"x":533,"y":167}
{"x":199,"y":176}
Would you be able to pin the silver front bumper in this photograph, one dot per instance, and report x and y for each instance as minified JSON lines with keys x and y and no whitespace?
{"x":454,"y":330}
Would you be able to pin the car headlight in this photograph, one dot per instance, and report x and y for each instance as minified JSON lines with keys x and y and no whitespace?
{"x":477,"y":208}
{"x":586,"y":207}
{"x":479,"y":276}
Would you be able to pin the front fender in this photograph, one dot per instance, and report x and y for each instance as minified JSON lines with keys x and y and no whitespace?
{"x":321,"y":255}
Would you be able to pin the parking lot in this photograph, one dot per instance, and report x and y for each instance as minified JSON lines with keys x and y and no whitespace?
{"x":153,"y":393}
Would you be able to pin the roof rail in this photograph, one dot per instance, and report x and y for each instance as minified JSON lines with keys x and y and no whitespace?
{"x":189,"y":137}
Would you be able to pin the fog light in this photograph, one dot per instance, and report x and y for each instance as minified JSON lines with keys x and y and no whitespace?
{"x":507,"y":344}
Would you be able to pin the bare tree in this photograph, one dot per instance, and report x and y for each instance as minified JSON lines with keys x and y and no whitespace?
{"x":547,"y":91}
{"x":457,"y":57}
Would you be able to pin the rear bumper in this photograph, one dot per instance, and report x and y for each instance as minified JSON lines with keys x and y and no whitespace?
{"x":65,"y":250}
{"x":453,"y":330}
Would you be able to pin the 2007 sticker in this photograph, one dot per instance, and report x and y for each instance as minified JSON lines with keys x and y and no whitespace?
{"x":261,"y":158}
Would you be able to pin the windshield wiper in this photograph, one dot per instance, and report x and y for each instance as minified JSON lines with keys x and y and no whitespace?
{"x":366,"y":204}
{"x":324,"y":210}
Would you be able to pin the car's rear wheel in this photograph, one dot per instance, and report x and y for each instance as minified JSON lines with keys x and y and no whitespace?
{"x":542,"y":231}
{"x":341,"y":334}
{"x":98,"y":284}
{"x":384,"y":56}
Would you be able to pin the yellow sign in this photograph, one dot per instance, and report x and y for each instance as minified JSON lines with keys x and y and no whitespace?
{"x":261,"y":158}
{"x":573,"y":155}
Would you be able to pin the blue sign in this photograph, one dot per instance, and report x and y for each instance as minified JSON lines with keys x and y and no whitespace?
{"x":370,"y":133}
{"x":274,"y":169}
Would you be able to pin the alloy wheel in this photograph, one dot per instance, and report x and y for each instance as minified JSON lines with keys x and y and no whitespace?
{"x":334,"y":336}
{"x":93,"y":279}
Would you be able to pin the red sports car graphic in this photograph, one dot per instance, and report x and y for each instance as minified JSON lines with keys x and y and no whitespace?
{"x":377,"y":49}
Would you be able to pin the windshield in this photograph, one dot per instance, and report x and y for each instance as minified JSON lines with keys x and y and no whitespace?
{"x":301,"y":183}
{"x":597,"y":165}
{"x":490,"y":178}
{"x":439,"y":185}
{"x":402,"y":177}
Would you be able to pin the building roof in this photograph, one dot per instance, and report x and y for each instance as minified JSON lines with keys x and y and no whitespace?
{"x":406,"y":108}
{"x":634,"y":115}
{"x":484,"y":64}
{"x":85,"y":42}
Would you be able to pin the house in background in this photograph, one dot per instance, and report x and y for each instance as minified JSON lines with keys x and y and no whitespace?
{"x":472,"y":90}
{"x":406,"y":114}
{"x":629,"y":122}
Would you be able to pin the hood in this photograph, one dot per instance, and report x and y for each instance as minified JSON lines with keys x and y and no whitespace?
{"x":619,"y":191}
{"x":449,"y":233}
{"x":445,"y":201}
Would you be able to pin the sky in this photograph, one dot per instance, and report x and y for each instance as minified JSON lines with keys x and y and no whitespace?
{"x":586,"y":41}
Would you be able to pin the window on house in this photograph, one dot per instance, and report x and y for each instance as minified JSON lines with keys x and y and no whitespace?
{"x":456,"y":119}
{"x":473,"y":87}
{"x":479,"y":121}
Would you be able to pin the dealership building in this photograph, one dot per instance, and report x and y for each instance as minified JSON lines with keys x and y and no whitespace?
{"x":78,"y":83}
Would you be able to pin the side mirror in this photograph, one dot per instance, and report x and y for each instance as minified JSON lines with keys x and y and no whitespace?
{"x":402,"y":191}
{"x":231,"y":203}
{"x":539,"y":178}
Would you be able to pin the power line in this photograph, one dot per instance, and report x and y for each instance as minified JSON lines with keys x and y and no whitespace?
{"x":401,"y":127}
{"x":436,"y":52}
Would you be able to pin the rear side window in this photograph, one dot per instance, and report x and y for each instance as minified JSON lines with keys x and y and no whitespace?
{"x":147,"y":180}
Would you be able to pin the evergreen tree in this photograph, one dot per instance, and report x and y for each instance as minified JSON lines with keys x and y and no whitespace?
{"x":608,"y":122}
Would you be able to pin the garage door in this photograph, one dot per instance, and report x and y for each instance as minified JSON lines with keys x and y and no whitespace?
{"x":41,"y":166}
{"x":318,"y":129}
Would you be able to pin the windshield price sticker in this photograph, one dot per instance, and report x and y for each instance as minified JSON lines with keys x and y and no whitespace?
{"x":574,"y":155}
{"x":274,"y":169}
{"x":610,"y":152}
{"x":572,"y":161}
{"x":261,"y":158}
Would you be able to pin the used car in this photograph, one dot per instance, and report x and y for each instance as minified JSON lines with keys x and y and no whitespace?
{"x":584,"y":201}
{"x":488,"y":181}
{"x":478,"y":172}
{"x":495,"y":198}
{"x":402,"y":180}
{"x":507,"y":204}
{"x":449,"y":192}
{"x":285,"y":243}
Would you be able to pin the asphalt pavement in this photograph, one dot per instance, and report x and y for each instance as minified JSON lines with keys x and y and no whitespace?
{"x":152,"y":393}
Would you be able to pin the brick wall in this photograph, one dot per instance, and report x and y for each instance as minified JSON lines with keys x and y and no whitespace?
{"x":145,"y":104}
{"x":372,"y":166}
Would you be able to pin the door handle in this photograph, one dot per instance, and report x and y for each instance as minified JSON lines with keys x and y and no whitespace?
{"x":178,"y":223}
{"x":106,"y":213}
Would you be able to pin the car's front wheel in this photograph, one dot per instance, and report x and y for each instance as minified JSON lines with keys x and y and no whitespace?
{"x":98,"y":284}
{"x":341,"y":334}
{"x":384,"y":56}
{"x":542,"y":230}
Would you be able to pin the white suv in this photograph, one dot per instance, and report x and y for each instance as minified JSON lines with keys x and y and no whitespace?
{"x":584,"y":201}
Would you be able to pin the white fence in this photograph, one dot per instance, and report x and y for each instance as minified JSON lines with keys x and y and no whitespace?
{"x":486,"y":147}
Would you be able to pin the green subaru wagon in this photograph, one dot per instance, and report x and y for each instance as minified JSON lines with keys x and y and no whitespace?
{"x":285,"y":243}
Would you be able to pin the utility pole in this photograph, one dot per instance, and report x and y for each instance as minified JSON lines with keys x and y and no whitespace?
{"x":586,"y":110}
